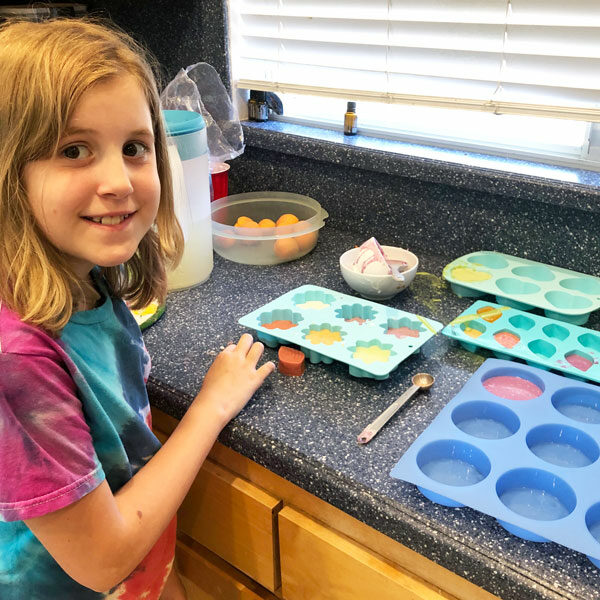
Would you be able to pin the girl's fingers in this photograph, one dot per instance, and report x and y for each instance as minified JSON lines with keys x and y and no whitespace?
{"x":245,"y":343}
{"x":265,"y":370}
{"x":255,"y":353}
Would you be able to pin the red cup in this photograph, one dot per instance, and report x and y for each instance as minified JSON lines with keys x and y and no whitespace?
{"x":219,"y":174}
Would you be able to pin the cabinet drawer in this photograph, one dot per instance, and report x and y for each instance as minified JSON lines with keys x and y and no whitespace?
{"x":319,"y":563}
{"x":236,"y":520}
{"x":209,"y":577}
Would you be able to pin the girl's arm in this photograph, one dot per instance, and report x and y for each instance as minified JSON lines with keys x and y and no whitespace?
{"x":100,"y":539}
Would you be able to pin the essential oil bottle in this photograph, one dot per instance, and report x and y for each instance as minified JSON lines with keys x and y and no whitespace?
{"x":350,"y":119}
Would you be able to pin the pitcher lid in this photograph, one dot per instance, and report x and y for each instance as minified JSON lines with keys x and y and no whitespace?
{"x":181,"y":122}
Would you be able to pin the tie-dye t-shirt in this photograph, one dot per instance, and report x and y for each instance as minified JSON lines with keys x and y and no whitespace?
{"x":73,"y":412}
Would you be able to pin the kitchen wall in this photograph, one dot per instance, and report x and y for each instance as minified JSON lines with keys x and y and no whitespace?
{"x":179,"y":34}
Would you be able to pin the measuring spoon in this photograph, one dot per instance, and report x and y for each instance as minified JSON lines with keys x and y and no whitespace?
{"x":421,"y":381}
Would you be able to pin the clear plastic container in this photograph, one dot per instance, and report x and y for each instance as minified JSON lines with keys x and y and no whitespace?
{"x":265,"y":245}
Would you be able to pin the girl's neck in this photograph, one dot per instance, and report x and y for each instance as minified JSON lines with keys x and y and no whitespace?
{"x":86,"y":297}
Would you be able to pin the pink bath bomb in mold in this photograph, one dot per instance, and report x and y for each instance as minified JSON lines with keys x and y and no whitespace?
{"x":511,"y":387}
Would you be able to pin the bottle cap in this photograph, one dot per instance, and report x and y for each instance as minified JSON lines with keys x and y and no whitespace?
{"x":351,"y":107}
{"x":258,"y":95}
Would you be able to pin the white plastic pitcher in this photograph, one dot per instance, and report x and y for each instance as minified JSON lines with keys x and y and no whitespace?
{"x":188,"y":157}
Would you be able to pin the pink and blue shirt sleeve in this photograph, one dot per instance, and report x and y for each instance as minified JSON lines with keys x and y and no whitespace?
{"x":73,"y":412}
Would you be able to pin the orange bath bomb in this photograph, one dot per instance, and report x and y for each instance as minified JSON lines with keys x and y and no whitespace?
{"x":267,"y":226}
{"x":287,"y":219}
{"x":286,"y":248}
{"x":245,"y":222}
{"x":307,"y":240}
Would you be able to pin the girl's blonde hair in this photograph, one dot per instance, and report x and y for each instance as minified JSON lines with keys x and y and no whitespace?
{"x":44,"y":70}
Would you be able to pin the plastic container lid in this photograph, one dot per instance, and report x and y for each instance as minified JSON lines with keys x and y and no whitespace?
{"x":181,"y":122}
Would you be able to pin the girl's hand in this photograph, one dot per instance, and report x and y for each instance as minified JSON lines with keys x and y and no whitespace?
{"x":233,"y":378}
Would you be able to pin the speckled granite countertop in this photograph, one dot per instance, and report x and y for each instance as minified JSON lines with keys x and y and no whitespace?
{"x":304,"y":429}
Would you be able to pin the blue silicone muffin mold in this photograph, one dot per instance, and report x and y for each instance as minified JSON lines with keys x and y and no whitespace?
{"x":532,"y":464}
{"x":371,"y":338}
{"x":543,"y":342}
{"x":524,"y":284}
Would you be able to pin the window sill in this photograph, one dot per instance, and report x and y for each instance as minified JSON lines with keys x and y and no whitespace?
{"x":559,"y":186}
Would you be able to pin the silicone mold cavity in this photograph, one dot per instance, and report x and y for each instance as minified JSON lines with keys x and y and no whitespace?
{"x":578,"y":403}
{"x":536,"y":494}
{"x":590,"y":340}
{"x":513,"y":372}
{"x":356,"y":312}
{"x":403,"y":328}
{"x":585,"y":285}
{"x":453,"y":463}
{"x":542,"y":348}
{"x":280,"y":315}
{"x":509,"y":285}
{"x":566,"y":300}
{"x":562,"y":445}
{"x":521,"y":322}
{"x":314,"y":296}
{"x":492,"y":261}
{"x":486,"y":420}
{"x":535,"y":273}
{"x":555,"y":331}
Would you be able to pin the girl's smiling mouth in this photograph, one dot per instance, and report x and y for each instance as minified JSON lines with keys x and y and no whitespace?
{"x":110,"y":219}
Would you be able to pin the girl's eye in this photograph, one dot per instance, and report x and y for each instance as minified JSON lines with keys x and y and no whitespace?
{"x":76,"y":151}
{"x":135,"y":149}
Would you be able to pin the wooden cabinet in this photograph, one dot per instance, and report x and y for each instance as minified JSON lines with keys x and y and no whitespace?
{"x":246,"y":533}
{"x":234,"y":519}
{"x":208,"y":577}
{"x":318,"y":563}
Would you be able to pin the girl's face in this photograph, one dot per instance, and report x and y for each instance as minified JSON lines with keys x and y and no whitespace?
{"x":96,"y":198}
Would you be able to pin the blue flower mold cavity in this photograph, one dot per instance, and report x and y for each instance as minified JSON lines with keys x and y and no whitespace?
{"x":531,"y":464}
{"x":317,"y":308}
{"x":524,"y":284}
{"x":355,"y":313}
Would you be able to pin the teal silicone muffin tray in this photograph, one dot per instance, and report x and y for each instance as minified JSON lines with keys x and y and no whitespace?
{"x":372,"y":339}
{"x":540,"y":341}
{"x":524,"y":284}
{"x":519,"y":444}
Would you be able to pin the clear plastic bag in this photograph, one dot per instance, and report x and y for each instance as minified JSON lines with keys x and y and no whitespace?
{"x":199,"y":88}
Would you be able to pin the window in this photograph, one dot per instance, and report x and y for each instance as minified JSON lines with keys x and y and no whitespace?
{"x":510,"y":75}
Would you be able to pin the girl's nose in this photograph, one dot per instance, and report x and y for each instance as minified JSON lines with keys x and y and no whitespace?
{"x":114,"y":179}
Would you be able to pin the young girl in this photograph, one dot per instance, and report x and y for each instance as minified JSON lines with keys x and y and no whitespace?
{"x":87,"y":495}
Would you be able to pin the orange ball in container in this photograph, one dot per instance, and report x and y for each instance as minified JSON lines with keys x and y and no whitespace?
{"x":245,"y":222}
{"x":308,"y":240}
{"x":286,"y":248}
{"x":268,"y":225}
{"x":287,"y":219}
{"x":243,"y":225}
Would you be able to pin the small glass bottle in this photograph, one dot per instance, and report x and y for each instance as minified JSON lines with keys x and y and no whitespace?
{"x":350,"y":119}
{"x":258,"y":110}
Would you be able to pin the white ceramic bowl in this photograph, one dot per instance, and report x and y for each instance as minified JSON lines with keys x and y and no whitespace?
{"x":379,"y":287}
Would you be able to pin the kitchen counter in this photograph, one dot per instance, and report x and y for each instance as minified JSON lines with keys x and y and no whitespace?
{"x":304,"y":428}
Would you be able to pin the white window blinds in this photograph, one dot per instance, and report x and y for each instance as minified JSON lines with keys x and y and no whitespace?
{"x":533,"y":57}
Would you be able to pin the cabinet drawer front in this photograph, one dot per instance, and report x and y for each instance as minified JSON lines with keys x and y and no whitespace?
{"x":234,"y":519}
{"x":318,"y":563}
{"x":210,"y":577}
